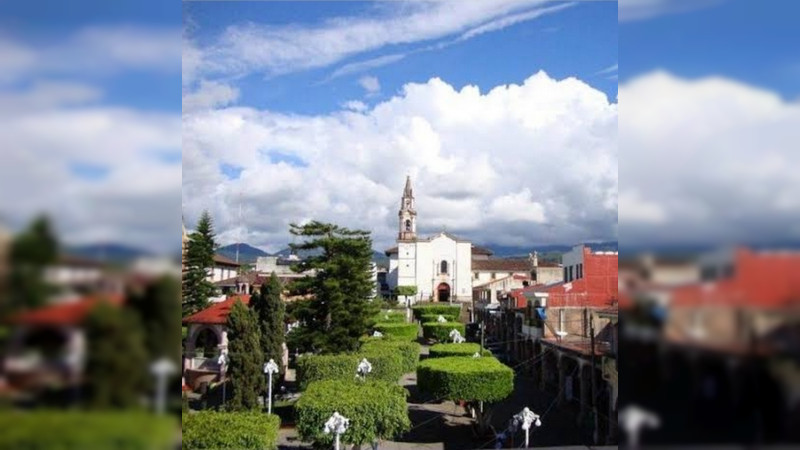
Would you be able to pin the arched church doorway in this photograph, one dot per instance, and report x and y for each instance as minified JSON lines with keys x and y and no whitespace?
{"x":443,"y":292}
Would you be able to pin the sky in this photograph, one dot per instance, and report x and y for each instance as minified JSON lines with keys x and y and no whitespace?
{"x":710,"y":102}
{"x":503,"y":114}
{"x":91,"y":129}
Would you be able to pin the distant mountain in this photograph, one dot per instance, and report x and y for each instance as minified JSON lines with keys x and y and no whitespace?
{"x":108,"y":252}
{"x":378,"y":258}
{"x":514,"y":252}
{"x":247,"y":253}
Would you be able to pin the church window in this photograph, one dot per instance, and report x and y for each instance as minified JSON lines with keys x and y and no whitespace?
{"x":408,"y":225}
{"x":443,"y":267}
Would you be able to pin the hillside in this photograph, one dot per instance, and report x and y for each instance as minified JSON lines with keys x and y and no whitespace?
{"x":247,"y":253}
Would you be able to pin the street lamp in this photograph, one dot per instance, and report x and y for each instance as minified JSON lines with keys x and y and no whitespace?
{"x":337,"y":424}
{"x":634,"y":419}
{"x":223,"y":366}
{"x":364,"y":367}
{"x":269,"y":368}
{"x":525,"y":419}
{"x":161,"y":369}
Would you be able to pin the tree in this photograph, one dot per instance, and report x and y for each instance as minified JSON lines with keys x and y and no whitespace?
{"x":340,"y":310}
{"x":244,"y":367}
{"x":158,"y":310}
{"x":480,"y":381}
{"x":116,"y":366}
{"x":30,"y":253}
{"x":199,"y":261}
{"x":270,"y":310}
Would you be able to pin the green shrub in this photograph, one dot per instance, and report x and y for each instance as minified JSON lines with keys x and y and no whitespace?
{"x":376,"y":410}
{"x":425,"y":318}
{"x":229,"y":430}
{"x":385,"y":367}
{"x":433,"y":308}
{"x":441,"y":331}
{"x":407,"y":331}
{"x":459,"y":378}
{"x":390,"y":317}
{"x":67,"y":430}
{"x":465,"y":349}
{"x":408,"y":351}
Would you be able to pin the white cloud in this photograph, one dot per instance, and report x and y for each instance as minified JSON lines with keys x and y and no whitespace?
{"x":362,"y":66}
{"x":210,"y":94}
{"x":355,"y":105}
{"x":630,"y":10}
{"x":513,"y":19}
{"x":517,"y":165}
{"x":251,"y":47}
{"x":370,"y":84}
{"x":706,"y":161}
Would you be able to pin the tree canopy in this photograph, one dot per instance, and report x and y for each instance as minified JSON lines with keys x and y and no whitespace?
{"x":270,"y":311}
{"x":199,"y":262}
{"x":245,"y":361}
{"x":31,"y":251}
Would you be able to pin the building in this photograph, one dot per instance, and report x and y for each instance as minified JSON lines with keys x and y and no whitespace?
{"x":223,"y":269}
{"x":439,"y":267}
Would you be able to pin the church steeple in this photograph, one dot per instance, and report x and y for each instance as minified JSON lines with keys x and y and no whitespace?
{"x":407,"y":214}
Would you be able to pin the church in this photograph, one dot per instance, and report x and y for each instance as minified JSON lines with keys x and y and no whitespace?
{"x":439,"y":266}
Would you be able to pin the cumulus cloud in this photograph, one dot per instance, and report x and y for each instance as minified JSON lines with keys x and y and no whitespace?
{"x":708,"y":161}
{"x":210,"y":94}
{"x":370,"y":84}
{"x":518,"y":165}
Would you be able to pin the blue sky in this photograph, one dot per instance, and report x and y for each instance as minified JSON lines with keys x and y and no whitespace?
{"x":503,"y":113}
{"x":577,"y":41}
{"x":753,"y":42}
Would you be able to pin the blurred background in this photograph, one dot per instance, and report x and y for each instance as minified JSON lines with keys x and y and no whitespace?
{"x":90,"y":188}
{"x":708,"y":214}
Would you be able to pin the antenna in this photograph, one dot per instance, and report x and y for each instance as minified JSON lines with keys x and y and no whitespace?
{"x":239,"y":241}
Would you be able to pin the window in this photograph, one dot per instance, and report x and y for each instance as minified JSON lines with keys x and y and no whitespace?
{"x":494,"y":275}
{"x":571,"y":273}
{"x":565,"y":275}
{"x":443,"y":267}
{"x":477,"y":275}
{"x":580,"y":271}
{"x":408,"y":225}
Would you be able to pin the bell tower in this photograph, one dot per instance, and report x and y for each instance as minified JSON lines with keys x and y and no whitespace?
{"x":407,"y":214}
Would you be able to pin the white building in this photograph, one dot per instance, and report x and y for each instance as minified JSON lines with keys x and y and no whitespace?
{"x":439,"y":266}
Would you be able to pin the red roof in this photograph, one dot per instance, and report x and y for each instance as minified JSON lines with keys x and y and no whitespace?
{"x":60,"y":314}
{"x":218,"y":312}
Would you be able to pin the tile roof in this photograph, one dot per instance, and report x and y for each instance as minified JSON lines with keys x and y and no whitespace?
{"x":70,"y":313}
{"x":502,"y":265}
{"x":217,"y":313}
{"x":225,"y":261}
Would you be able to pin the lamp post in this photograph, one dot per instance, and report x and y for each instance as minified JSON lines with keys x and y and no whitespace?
{"x":161,"y":369}
{"x":634,"y":419}
{"x":223,"y":366}
{"x":269,"y":368}
{"x":364,"y":367}
{"x":337,"y":424}
{"x":525,"y":419}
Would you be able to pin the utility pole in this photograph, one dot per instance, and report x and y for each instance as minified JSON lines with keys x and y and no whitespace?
{"x":594,"y":395}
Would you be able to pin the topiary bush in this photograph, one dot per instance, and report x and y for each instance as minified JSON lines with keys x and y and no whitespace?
{"x":433,"y":308}
{"x":424,"y":318}
{"x":229,"y":430}
{"x":407,"y":331}
{"x":64,"y":430}
{"x":390,"y":317}
{"x":465,"y":349}
{"x":408,"y":351}
{"x":386,"y":366}
{"x":376,"y":410}
{"x":441,"y":331}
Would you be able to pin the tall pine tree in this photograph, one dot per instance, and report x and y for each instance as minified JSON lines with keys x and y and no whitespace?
{"x":340,"y":310}
{"x":31,"y":252}
{"x":245,"y":364}
{"x":158,"y":309}
{"x":270,"y":310}
{"x":199,"y":263}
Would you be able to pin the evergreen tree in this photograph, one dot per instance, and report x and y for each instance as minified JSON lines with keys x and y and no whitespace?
{"x":270,"y":310}
{"x":199,"y":263}
{"x":245,"y":362}
{"x":116,"y":366}
{"x":340,"y":310}
{"x":158,"y":309}
{"x":31,"y":252}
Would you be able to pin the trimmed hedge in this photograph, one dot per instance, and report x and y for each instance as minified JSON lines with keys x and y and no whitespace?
{"x":386,"y":366}
{"x":78,"y":430}
{"x":465,"y":349}
{"x":471,"y":379}
{"x":441,"y":331}
{"x":407,"y":331}
{"x":229,"y":430}
{"x":432,"y":308}
{"x":376,"y":410}
{"x":424,"y":318}
{"x":408,"y":351}
{"x":390,"y":317}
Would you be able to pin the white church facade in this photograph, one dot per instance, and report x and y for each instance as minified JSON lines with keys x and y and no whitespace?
{"x":439,"y":266}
